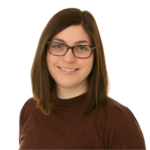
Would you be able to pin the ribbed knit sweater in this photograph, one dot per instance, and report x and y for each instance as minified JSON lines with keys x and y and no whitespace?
{"x":117,"y":128}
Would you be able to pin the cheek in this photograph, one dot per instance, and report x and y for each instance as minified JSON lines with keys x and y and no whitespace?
{"x":90,"y":66}
{"x":87,"y":68}
{"x":47,"y":58}
{"x":48,"y":61}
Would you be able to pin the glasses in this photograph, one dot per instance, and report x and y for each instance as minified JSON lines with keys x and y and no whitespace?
{"x":79,"y":51}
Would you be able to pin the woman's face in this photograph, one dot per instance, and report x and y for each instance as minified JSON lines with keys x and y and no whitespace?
{"x":76,"y":80}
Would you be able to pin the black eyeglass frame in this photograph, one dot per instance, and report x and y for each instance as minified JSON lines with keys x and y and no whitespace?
{"x":68,"y":47}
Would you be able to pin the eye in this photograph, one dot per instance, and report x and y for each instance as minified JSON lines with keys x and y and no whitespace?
{"x":57,"y":45}
{"x":81,"y":48}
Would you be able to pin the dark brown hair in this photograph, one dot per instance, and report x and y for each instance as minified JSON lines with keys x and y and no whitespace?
{"x":43,"y":85}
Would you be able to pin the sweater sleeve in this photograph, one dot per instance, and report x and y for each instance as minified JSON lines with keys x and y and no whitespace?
{"x":27,"y":130}
{"x":122,"y":130}
{"x":21,"y":122}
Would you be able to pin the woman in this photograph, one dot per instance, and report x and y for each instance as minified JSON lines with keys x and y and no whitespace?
{"x":70,"y":107}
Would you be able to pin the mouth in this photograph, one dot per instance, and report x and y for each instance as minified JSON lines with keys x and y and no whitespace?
{"x":68,"y":68}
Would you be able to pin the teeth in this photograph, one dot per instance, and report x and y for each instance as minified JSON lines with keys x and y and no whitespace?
{"x":67,"y":69}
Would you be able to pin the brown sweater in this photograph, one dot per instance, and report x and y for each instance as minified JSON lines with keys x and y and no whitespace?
{"x":66,"y":129}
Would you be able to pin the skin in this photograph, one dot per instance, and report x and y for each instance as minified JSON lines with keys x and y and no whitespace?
{"x":69,"y":86}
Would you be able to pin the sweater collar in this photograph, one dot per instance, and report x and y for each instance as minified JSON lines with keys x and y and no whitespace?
{"x":71,"y":102}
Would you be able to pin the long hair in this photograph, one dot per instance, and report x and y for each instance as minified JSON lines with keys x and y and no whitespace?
{"x":43,"y":85}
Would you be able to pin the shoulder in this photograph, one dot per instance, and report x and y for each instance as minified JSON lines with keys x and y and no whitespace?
{"x":114,"y":103}
{"x":117,"y":112}
{"x":120,"y":127}
{"x":29,"y":104}
{"x":27,"y":108}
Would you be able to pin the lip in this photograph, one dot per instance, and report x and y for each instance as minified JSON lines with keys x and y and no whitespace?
{"x":67,"y":68}
{"x":67,"y":72}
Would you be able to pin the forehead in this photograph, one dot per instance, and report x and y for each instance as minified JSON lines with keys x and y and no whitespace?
{"x":72,"y":34}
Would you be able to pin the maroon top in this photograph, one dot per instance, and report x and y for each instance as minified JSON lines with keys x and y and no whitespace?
{"x":66,"y":129}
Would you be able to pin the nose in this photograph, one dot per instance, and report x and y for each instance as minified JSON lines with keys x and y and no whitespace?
{"x":70,"y":48}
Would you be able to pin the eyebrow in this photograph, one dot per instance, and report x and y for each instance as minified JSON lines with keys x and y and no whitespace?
{"x":83,"y":41}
